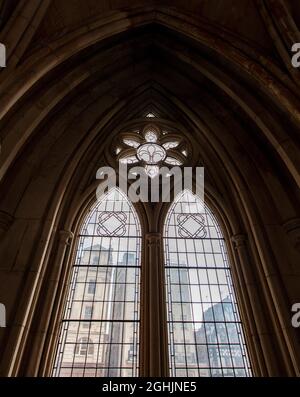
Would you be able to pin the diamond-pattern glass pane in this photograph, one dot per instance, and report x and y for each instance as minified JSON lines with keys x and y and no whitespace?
{"x":204,"y":328}
{"x":99,"y":333}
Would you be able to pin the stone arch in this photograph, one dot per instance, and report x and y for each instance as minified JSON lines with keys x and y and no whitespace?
{"x":60,"y":113}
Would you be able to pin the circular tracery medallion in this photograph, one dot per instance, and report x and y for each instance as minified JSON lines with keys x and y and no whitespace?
{"x":151,"y":153}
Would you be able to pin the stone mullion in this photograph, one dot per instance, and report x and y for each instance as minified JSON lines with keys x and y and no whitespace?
{"x":154,"y":346}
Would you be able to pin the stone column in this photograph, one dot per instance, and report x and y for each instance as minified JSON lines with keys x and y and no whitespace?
{"x":254,"y":303}
{"x":154,"y":352}
{"x":251,"y":335}
{"x":47,"y":308}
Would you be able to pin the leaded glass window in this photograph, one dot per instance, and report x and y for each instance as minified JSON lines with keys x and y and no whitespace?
{"x":205,"y":334}
{"x":170,"y":145}
{"x":152,"y":148}
{"x":131,"y":143}
{"x":100,"y":328}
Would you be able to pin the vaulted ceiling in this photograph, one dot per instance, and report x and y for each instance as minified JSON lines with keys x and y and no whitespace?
{"x":78,"y":71}
{"x":91,"y":65}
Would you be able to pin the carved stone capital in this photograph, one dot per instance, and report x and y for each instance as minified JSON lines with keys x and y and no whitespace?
{"x":65,"y":237}
{"x":153,"y":238}
{"x":292,"y":229}
{"x":239,"y":240}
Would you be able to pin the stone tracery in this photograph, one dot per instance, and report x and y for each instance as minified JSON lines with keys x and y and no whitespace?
{"x":69,"y":89}
{"x":152,"y":148}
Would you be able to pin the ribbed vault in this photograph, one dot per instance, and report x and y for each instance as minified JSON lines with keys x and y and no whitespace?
{"x":67,"y":93}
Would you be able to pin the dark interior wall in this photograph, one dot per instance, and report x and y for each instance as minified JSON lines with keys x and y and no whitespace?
{"x":74,"y":88}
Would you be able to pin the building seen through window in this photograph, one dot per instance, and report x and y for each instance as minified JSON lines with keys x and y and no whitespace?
{"x":205,"y":331}
{"x":100,"y":329}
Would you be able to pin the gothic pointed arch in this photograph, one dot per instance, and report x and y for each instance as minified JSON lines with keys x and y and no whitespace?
{"x":205,"y":334}
{"x":71,"y":89}
{"x":99,"y":331}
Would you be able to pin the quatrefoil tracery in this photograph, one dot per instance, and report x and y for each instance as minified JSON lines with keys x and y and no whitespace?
{"x":152,"y":148}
